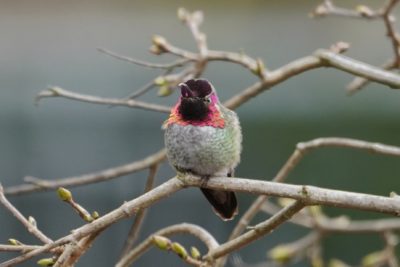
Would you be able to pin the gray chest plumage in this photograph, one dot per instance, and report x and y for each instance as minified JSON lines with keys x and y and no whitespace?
{"x":204,"y":150}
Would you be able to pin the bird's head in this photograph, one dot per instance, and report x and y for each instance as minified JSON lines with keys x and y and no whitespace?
{"x":198,"y":99}
{"x":197,"y":105}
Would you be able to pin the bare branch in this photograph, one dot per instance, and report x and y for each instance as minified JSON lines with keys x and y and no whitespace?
{"x":18,"y":248}
{"x":66,"y":196}
{"x":306,"y":195}
{"x":137,"y":224}
{"x":142,"y":90}
{"x":250,"y":213}
{"x":340,"y":224}
{"x":391,"y":241}
{"x":391,"y":32}
{"x":74,"y":250}
{"x":321,"y":58}
{"x":104,"y":175}
{"x":29,"y":226}
{"x":193,"y":21}
{"x":360,"y":68}
{"x":365,"y":12}
{"x":294,"y":248}
{"x":295,"y":158}
{"x":125,"y":210}
{"x":257,"y":232}
{"x":239,"y":58}
{"x":359,"y":82}
{"x":310,"y":195}
{"x":304,"y":147}
{"x":177,"y":63}
{"x":59,"y":92}
{"x":66,"y":255}
{"x":328,"y":8}
{"x":72,"y":246}
{"x":184,"y":228}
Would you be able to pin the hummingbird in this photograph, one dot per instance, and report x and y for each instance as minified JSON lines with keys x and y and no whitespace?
{"x":204,"y":138}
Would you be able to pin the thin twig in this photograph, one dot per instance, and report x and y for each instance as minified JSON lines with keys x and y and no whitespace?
{"x":184,"y":228}
{"x":304,"y":147}
{"x":66,"y":255}
{"x":238,"y":58}
{"x":125,"y":210}
{"x":365,"y":12}
{"x":74,"y":250}
{"x":59,"y":92}
{"x":309,"y":195}
{"x":341,"y":224}
{"x":17,"y":214}
{"x":141,"y":90}
{"x":139,"y":218}
{"x":328,"y":8}
{"x":104,"y":175}
{"x":391,"y":32}
{"x":321,"y":58}
{"x":18,"y":248}
{"x":297,"y":247}
{"x":295,"y":158}
{"x":177,"y":63}
{"x":257,"y":232}
{"x":391,"y":241}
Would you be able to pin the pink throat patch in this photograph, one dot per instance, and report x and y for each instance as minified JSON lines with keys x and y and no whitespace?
{"x":214,"y":118}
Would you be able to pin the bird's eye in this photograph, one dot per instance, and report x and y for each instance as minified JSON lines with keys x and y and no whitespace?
{"x":207,"y":100}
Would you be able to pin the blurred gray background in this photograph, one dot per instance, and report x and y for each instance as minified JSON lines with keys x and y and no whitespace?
{"x":53,"y":42}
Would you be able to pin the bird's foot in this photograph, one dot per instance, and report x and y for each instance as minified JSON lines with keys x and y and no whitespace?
{"x":204,"y":180}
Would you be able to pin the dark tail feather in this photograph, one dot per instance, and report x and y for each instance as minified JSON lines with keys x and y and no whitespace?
{"x":223,"y":202}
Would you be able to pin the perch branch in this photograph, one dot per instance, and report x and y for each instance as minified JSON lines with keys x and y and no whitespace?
{"x":307,"y":195}
{"x":310,"y":195}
